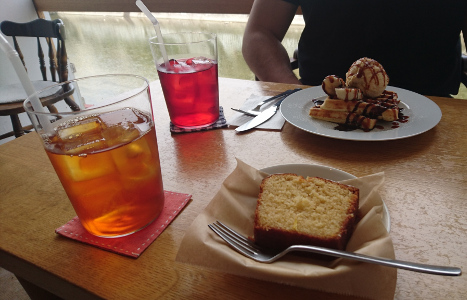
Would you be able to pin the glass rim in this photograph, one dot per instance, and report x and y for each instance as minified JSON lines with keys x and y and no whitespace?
{"x":212,"y":36}
{"x":69,"y":113}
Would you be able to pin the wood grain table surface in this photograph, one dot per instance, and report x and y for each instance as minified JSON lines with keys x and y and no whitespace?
{"x":425,"y":191}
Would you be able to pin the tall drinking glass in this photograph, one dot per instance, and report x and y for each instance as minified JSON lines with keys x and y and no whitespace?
{"x":105,"y":155}
{"x":189,"y":78}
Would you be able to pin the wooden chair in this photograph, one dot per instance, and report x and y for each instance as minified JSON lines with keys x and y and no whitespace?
{"x":12,"y":96}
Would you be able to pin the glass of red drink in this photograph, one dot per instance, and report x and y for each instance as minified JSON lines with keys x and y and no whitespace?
{"x":188,"y":75}
{"x":106,"y":154}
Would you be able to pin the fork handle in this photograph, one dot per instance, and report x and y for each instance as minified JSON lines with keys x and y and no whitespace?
{"x":417,"y":267}
{"x":283,"y":94}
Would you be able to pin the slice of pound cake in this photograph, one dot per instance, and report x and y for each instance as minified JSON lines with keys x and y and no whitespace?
{"x":292,"y":210}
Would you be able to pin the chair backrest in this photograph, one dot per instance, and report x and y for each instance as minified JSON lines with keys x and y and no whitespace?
{"x":41,"y":28}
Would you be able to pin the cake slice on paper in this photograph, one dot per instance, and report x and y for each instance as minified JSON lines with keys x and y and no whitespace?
{"x":293,"y":210}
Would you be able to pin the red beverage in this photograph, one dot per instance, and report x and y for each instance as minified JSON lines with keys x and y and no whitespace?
{"x":191,"y":91}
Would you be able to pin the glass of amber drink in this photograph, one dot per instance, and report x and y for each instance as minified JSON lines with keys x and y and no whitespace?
{"x":106,"y":154}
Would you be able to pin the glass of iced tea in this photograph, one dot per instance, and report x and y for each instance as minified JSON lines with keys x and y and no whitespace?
{"x":105,"y":155}
{"x":188,"y":75}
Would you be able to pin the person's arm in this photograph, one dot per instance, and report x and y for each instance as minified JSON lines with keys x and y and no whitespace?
{"x":262,"y":49}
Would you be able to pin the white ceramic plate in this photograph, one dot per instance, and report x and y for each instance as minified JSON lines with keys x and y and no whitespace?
{"x":423,"y":115}
{"x":323,"y":172}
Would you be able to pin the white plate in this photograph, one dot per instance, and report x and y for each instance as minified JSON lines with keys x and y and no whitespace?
{"x":423,"y":115}
{"x":323,"y":172}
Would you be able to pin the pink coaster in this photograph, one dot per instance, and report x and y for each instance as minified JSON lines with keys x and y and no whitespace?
{"x":132,"y":245}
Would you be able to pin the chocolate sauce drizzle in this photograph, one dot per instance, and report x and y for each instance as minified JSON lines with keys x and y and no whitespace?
{"x":373,"y":109}
{"x":370,"y":65}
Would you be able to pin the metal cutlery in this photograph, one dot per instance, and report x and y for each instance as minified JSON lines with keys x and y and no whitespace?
{"x":248,"y":113}
{"x":256,"y":110}
{"x":261,"y":118}
{"x":264,"y":115}
{"x":251,"y":250}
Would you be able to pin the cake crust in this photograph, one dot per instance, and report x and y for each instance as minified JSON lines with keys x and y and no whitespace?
{"x":292,"y":210}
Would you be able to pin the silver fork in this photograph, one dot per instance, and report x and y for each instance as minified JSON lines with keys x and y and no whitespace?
{"x":256,"y":110}
{"x":245,"y":112}
{"x":251,"y":250}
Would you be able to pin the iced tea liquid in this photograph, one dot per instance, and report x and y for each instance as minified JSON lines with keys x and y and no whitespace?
{"x":191,"y":91}
{"x":110,"y":170}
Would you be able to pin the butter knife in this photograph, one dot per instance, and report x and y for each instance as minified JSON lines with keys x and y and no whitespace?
{"x":261,"y":118}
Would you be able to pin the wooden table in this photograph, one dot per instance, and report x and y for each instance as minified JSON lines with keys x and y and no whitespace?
{"x":425,"y":191}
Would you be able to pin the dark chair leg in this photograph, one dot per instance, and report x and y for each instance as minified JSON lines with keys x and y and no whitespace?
{"x":52,"y":109}
{"x":72,"y":104}
{"x":17,"y":128}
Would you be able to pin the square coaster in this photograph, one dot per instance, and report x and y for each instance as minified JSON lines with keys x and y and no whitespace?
{"x":134,"y":244}
{"x":221,"y":122}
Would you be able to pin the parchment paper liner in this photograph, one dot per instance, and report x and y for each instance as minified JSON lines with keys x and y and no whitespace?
{"x":235,"y":204}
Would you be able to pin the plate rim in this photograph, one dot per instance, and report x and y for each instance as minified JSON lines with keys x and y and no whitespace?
{"x":307,"y":94}
{"x":386,"y":217}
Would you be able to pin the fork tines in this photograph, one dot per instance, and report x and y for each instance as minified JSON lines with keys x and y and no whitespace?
{"x":255,"y":111}
{"x":234,"y":239}
{"x":282,"y":95}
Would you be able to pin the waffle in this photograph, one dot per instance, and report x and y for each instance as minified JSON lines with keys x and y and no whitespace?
{"x":350,"y":108}
{"x":370,"y":108}
{"x":361,"y":101}
{"x":349,"y":119}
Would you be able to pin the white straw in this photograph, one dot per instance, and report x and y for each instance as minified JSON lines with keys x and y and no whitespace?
{"x":25,"y":81}
{"x":154,"y":21}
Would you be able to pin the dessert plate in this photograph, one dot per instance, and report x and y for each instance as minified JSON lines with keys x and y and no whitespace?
{"x":423,"y":114}
{"x":323,"y":172}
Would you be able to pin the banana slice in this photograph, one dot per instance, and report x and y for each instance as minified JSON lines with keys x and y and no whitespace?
{"x":330,"y":83}
{"x":349,"y":94}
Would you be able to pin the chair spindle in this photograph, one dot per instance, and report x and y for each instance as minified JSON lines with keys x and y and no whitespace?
{"x":52,"y":63}
{"x":40,"y":54}
{"x":18,"y":50}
